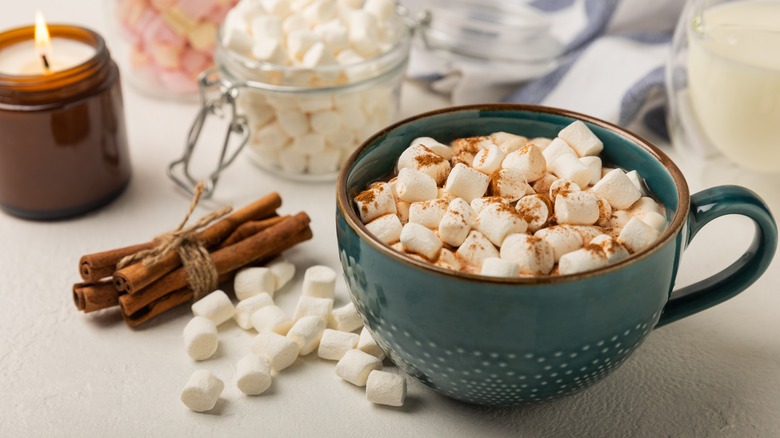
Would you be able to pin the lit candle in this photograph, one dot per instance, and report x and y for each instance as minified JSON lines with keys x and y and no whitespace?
{"x":63,"y":148}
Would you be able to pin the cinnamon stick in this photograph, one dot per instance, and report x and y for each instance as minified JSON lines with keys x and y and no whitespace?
{"x":90,"y":297}
{"x":135,"y":277}
{"x":249,"y":228}
{"x":93,"y":267}
{"x":272,"y":240}
{"x":158,"y":307}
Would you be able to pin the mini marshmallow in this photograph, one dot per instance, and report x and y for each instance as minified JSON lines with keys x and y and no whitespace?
{"x":368,"y":345}
{"x":562,"y":186}
{"x":320,"y":282}
{"x":419,"y":157}
{"x":215,"y":306}
{"x":283,"y":272}
{"x":448,"y":260}
{"x":498,"y":267}
{"x":277,"y":8}
{"x":363,"y":33}
{"x":543,"y":184}
{"x":440,"y":149}
{"x":318,"y":56}
{"x":247,"y":307}
{"x":374,"y":202}
{"x":413,"y":185}
{"x":562,"y":239}
{"x":478,"y":204}
{"x":456,"y":222}
{"x":385,"y":388}
{"x":581,"y":260}
{"x":496,"y":221}
{"x":294,"y":123}
{"x":253,"y":374}
{"x":581,"y":139}
{"x":617,"y":189}
{"x":605,"y":212}
{"x":252,"y":281}
{"x":320,"y":11}
{"x":569,"y":167}
{"x":645,"y":204}
{"x":655,"y":220}
{"x":594,"y":165}
{"x":325,"y":122}
{"x":280,"y":351}
{"x":345,"y":318}
{"x":577,"y":208}
{"x":386,"y":228}
{"x":587,"y":232}
{"x":475,"y":249}
{"x":268,"y":50}
{"x":299,"y":41}
{"x":540,"y":142}
{"x":507,"y":142}
{"x":555,"y":150}
{"x":471,"y":145}
{"x":356,"y":365}
{"x":533,"y":255}
{"x":335,"y":37}
{"x":200,"y":338}
{"x":309,"y":143}
{"x":292,"y":160}
{"x":202,"y":391}
{"x":612,"y":249}
{"x":467,"y":183}
{"x":334,"y":344}
{"x":619,"y":219}
{"x":306,"y":332}
{"x":529,"y":161}
{"x":464,"y":158}
{"x":313,"y":306}
{"x":637,"y":235}
{"x":535,"y":210}
{"x":271,"y":136}
{"x":488,"y":160}
{"x":638,"y":181}
{"x":429,"y":213}
{"x":509,"y":184}
{"x":418,"y":239}
{"x":271,"y":318}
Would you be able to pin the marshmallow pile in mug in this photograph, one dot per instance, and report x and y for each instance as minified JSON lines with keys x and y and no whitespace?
{"x":504,"y":205}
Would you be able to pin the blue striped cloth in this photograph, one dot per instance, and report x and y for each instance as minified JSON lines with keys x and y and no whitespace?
{"x":612,"y":66}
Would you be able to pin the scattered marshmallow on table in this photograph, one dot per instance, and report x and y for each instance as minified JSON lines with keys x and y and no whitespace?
{"x":356,"y":365}
{"x":271,"y":318}
{"x":283,"y":272}
{"x":253,"y":281}
{"x":215,"y":306}
{"x":334,"y":344}
{"x":367,"y":344}
{"x":253,"y":374}
{"x":385,"y":388}
{"x":202,"y":391}
{"x":246,"y":308}
{"x":200,"y":338}
{"x":306,"y":332}
{"x":279,"y":350}
{"x":320,"y":282}
{"x":313,"y":306}
{"x":345,"y":318}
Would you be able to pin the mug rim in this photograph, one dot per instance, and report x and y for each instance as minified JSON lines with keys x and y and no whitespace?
{"x":344,"y":204}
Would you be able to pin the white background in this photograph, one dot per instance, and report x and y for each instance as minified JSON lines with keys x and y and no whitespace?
{"x":63,"y":373}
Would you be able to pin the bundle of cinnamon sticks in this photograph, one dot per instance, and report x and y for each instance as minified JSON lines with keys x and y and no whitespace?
{"x":250,"y":236}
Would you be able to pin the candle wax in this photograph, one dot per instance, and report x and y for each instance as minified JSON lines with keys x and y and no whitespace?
{"x":21,"y":59}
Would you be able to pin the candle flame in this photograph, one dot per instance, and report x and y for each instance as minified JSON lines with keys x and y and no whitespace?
{"x":42,"y":40}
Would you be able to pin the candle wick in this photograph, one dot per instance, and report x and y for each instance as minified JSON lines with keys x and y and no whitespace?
{"x":45,"y":60}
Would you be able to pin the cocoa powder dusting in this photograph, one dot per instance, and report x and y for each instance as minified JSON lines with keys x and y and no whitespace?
{"x":469,"y":144}
{"x":428,"y":159}
{"x":365,"y":198}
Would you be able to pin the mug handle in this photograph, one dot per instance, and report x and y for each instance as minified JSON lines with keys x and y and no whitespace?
{"x":711,"y":204}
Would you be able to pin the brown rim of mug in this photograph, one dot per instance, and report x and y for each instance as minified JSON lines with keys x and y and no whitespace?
{"x":683,"y":198}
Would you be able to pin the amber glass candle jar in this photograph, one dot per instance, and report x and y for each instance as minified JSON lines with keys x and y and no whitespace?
{"x":63,"y":141}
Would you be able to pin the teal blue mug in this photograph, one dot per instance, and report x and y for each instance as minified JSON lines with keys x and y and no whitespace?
{"x":496,"y":341}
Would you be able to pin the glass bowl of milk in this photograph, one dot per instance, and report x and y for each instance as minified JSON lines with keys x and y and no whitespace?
{"x":723,"y":82}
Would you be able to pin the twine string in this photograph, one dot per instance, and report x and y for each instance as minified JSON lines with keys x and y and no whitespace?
{"x":202,"y":275}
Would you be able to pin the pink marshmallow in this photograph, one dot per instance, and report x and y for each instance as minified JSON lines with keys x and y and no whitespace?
{"x":195,"y":9}
{"x":178,"y":82}
{"x":160,"y":32}
{"x":194,"y":62}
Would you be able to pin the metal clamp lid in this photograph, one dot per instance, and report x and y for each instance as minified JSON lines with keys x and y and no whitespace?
{"x":227,"y":92}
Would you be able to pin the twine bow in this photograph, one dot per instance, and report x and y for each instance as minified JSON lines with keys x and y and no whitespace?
{"x":202,"y":275}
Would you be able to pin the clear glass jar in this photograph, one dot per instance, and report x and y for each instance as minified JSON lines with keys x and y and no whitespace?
{"x":300,"y":123}
{"x":164,"y":45}
{"x":723,"y":83}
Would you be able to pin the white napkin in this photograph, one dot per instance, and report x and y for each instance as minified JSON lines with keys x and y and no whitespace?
{"x":612,"y":66}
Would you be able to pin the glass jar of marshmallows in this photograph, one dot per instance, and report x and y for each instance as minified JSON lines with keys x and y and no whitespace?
{"x":306,"y":82}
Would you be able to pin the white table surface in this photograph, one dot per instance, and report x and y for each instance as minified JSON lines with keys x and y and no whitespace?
{"x":64,"y":373}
